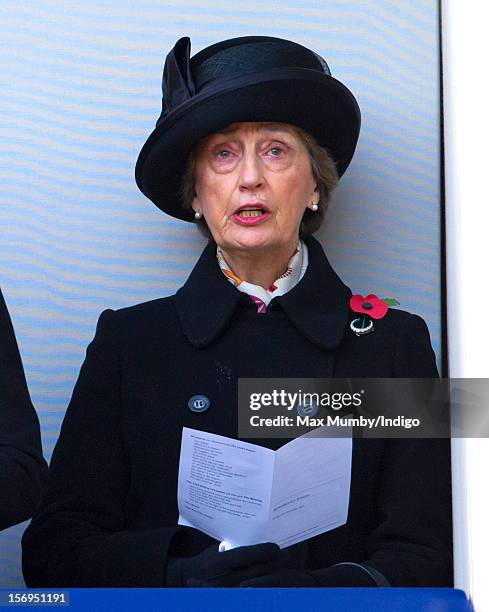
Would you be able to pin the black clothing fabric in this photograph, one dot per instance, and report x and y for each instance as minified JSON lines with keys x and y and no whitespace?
{"x":23,"y":470}
{"x":213,"y":568}
{"x":109,"y":517}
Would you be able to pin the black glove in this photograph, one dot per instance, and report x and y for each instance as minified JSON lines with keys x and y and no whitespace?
{"x":286,"y":578}
{"x":212,"y":568}
{"x":340,"y":575}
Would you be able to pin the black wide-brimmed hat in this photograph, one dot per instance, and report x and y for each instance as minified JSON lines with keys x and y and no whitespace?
{"x":251,"y":78}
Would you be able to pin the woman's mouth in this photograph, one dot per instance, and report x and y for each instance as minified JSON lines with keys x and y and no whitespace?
{"x":250,"y":216}
{"x":254,"y":212}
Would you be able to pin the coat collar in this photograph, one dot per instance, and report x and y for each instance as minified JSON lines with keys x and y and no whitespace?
{"x":317,"y":305}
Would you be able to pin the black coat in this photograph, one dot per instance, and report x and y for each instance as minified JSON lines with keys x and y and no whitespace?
{"x":23,"y":470}
{"x":110,"y":513}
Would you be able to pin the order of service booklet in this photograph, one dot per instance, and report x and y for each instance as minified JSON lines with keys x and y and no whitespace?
{"x":243,"y":493}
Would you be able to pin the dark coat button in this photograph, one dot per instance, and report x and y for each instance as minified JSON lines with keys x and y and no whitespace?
{"x":309,"y":409}
{"x":199,"y":403}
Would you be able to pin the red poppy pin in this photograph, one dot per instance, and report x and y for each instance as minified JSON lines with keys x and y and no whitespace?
{"x":370,"y":307}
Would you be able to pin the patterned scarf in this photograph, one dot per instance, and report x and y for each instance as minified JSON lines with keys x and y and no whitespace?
{"x":295,"y":270}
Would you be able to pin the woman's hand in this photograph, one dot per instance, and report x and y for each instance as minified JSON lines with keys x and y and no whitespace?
{"x":339,"y":575}
{"x":234,"y":567}
{"x":212,"y":568}
{"x":285,"y":578}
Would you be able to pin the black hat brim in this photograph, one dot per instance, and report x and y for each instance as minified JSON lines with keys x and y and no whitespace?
{"x":317,"y":103}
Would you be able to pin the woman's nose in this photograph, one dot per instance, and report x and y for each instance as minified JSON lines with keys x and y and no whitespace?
{"x":251,"y":172}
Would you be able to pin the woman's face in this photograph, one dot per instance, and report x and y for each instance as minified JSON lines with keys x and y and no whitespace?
{"x":253,"y":183}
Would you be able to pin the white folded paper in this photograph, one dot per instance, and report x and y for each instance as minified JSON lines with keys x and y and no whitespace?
{"x":246,"y":494}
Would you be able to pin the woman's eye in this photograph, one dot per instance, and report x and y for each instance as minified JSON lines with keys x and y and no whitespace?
{"x":275,"y":151}
{"x":224,"y":154}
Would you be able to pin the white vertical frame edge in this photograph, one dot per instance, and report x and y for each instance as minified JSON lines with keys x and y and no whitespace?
{"x":465,"y":47}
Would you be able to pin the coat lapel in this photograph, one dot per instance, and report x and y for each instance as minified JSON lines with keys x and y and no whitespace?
{"x":317,"y":306}
{"x":206,"y":301}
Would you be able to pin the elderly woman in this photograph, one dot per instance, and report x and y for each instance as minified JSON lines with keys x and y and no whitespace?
{"x":253,"y":136}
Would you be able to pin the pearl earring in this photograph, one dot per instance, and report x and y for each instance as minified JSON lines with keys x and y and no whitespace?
{"x":198,"y":215}
{"x":314,"y":206}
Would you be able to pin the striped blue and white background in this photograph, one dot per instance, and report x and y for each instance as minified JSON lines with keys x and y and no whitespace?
{"x":80,"y":93}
